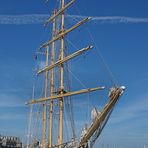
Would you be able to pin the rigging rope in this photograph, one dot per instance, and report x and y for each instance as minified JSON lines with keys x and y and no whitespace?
{"x":77,"y":78}
{"x":72,"y":44}
{"x":99,"y":54}
{"x":31,"y":112}
{"x":69,"y":100}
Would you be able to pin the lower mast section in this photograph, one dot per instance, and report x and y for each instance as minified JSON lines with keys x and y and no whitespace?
{"x":44,"y":105}
{"x":52,"y":88}
{"x":62,"y":80}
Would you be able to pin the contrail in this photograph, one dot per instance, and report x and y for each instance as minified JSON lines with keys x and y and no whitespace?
{"x":41,"y":18}
{"x":23,"y":19}
{"x":113,"y":19}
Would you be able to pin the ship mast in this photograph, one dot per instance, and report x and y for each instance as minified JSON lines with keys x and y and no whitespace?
{"x":60,"y":63}
{"x":45,"y":105}
{"x":62,"y":79}
{"x":96,"y":127}
{"x":52,"y":86}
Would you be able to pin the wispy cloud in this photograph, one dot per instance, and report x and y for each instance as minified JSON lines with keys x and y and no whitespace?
{"x":12,"y":116}
{"x":9,"y":100}
{"x":23,"y":19}
{"x":41,"y":18}
{"x":131,"y":111}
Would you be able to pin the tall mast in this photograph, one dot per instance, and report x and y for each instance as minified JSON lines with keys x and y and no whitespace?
{"x":95,"y":129}
{"x":59,"y":63}
{"x":61,"y":79}
{"x":44,"y":105}
{"x":52,"y":85}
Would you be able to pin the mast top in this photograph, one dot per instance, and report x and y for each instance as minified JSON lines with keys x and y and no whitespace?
{"x":59,"y":12}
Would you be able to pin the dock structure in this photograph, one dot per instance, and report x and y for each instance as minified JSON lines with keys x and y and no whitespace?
{"x":10,"y":142}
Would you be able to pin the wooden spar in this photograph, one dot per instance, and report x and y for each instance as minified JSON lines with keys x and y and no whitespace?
{"x":60,"y":139}
{"x":52,"y":87}
{"x":66,"y":95}
{"x":65,"y":32}
{"x":59,"y":12}
{"x":100,"y":118}
{"x":58,"y":63}
{"x":77,"y":92}
{"x":44,"y":105}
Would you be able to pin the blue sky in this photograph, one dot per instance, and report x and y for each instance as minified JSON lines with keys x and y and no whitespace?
{"x":123,"y":45}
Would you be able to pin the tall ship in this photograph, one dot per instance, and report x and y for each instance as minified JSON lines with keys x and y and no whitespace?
{"x":57,"y":113}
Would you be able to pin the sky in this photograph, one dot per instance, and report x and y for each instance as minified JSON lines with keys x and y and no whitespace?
{"x":120,"y":31}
